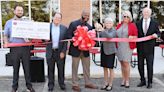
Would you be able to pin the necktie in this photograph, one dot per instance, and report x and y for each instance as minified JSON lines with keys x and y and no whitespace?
{"x":145,"y":28}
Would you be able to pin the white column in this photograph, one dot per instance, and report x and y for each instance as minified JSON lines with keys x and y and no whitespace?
{"x":1,"y":26}
{"x":59,"y":5}
{"x":100,"y":10}
{"x":91,"y":16}
{"x":50,"y":11}
{"x":148,"y":3}
{"x":120,"y":4}
{"x":29,"y":9}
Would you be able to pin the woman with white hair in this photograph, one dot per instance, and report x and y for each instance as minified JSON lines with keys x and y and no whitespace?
{"x":126,"y":29}
{"x":108,"y":50}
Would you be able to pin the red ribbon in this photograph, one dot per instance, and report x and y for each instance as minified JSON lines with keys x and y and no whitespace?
{"x":124,"y":39}
{"x":96,"y":39}
{"x":23,"y":44}
{"x":120,"y":39}
{"x":17,"y":44}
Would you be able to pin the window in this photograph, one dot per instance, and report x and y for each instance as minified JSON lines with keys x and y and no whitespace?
{"x":109,"y":8}
{"x":135,"y":7}
{"x":40,"y":11}
{"x":105,"y":8}
{"x":158,"y":12}
{"x":8,"y":9}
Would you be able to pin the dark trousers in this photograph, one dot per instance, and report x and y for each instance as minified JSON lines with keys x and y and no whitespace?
{"x":21,"y":54}
{"x":149,"y":61}
{"x":51,"y":68}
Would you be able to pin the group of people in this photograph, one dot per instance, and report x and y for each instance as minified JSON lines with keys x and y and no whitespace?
{"x":56,"y":50}
{"x":147,"y":26}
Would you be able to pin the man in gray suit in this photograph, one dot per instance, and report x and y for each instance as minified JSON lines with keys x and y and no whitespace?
{"x":56,"y":52}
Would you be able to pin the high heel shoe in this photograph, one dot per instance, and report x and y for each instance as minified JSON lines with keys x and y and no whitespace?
{"x":122,"y":84}
{"x":109,"y":88}
{"x":104,"y":87}
{"x":127,"y":84}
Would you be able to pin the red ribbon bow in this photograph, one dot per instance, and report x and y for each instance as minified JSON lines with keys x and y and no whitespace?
{"x":83,"y":38}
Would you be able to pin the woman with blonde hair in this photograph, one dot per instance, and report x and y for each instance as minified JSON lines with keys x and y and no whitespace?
{"x":126,"y":29}
{"x":108,"y":50}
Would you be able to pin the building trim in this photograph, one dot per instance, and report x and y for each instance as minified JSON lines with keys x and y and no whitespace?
{"x":1,"y":25}
{"x":59,"y":4}
{"x":91,"y":16}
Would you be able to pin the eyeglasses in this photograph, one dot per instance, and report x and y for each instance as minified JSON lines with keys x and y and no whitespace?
{"x":126,"y":16}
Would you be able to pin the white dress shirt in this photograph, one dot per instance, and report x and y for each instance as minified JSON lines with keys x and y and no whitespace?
{"x":55,"y":33}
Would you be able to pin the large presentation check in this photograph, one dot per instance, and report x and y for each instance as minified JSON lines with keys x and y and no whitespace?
{"x":29,"y":29}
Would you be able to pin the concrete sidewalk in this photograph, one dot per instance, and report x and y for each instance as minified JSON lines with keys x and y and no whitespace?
{"x":96,"y":73}
{"x":158,"y":85}
{"x":158,"y":66}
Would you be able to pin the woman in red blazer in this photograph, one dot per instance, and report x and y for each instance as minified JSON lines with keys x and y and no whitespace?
{"x":126,"y":29}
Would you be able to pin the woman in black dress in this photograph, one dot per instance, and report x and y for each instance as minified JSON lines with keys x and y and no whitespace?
{"x":108,"y":50}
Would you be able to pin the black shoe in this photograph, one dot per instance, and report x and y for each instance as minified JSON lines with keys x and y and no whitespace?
{"x":109,"y":88}
{"x":122,"y":84}
{"x":14,"y":90}
{"x":31,"y":89}
{"x":62,"y":87}
{"x":141,"y":84}
{"x":50,"y":89}
{"x":127,"y":84}
{"x":149,"y":86}
{"x":104,"y":87}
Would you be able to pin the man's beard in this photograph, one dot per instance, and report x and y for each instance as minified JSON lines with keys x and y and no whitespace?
{"x":19,"y":16}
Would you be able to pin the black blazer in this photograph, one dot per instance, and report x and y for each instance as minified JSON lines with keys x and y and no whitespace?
{"x":62,"y":45}
{"x":147,"y":47}
{"x":74,"y":51}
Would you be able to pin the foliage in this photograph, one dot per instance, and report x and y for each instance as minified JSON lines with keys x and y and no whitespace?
{"x":111,"y":8}
{"x":37,"y":10}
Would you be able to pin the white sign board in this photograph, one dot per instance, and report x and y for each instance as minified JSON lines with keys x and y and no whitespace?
{"x":29,"y":29}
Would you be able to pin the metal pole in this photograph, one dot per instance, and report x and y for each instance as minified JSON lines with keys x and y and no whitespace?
{"x":29,"y":9}
{"x":59,"y":5}
{"x":1,"y":25}
{"x":98,"y":36}
{"x":50,"y":11}
{"x":91,"y":12}
{"x":100,"y":9}
{"x":120,"y":4}
{"x":148,"y":3}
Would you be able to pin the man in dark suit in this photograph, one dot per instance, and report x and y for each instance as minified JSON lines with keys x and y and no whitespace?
{"x":18,"y":54}
{"x":78,"y":54}
{"x":56,"y":51}
{"x":146,"y":27}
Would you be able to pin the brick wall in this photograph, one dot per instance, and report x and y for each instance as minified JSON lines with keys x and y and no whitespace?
{"x":71,"y":9}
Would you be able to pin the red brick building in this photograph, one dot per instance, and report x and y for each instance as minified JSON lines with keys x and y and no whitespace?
{"x":71,"y":9}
